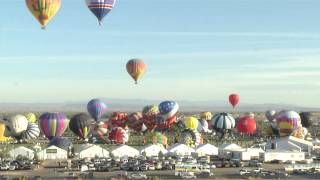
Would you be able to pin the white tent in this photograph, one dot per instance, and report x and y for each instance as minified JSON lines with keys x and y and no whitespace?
{"x":52,"y":153}
{"x":153,"y":150}
{"x":226,"y":150}
{"x":124,"y":150}
{"x":180,"y":150}
{"x":91,"y":151}
{"x":207,"y":149}
{"x":22,"y":151}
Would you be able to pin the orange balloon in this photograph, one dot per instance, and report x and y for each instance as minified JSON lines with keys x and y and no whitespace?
{"x":136,"y":68}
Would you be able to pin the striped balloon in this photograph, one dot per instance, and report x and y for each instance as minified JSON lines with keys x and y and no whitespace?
{"x":80,"y":125}
{"x":43,"y":10}
{"x":287,"y":122}
{"x":100,"y":8}
{"x":223,"y":121}
{"x":32,"y":132}
{"x":53,"y":124}
{"x":136,"y":68}
{"x":96,"y":109}
{"x":190,"y":138}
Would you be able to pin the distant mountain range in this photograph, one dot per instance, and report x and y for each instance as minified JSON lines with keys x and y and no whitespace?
{"x":138,"y":104}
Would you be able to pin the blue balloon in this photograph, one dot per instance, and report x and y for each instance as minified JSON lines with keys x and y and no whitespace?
{"x":61,"y":142}
{"x":96,"y":109}
{"x":168,"y":108}
{"x":100,"y":8}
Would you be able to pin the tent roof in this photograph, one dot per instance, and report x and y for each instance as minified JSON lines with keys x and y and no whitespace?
{"x":22,"y":148}
{"x":229,"y":146}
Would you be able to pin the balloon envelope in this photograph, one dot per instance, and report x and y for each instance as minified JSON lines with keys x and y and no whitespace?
{"x":61,"y":142}
{"x":191,"y":123}
{"x":80,"y":125}
{"x":53,"y":124}
{"x":203,"y":126}
{"x":43,"y":10}
{"x":96,"y":109}
{"x":168,"y":109}
{"x":32,"y":132}
{"x":100,"y":8}
{"x":119,"y":135}
{"x":118,"y":119}
{"x":246,"y":124}
{"x":31,"y":117}
{"x":234,"y":99}
{"x":206,"y":116}
{"x":149,"y":113}
{"x":135,"y":121}
{"x":288,"y":121}
{"x":190,"y":138}
{"x":136,"y":69}
{"x":17,"y":124}
{"x":223,"y":121}
{"x":271,"y":115}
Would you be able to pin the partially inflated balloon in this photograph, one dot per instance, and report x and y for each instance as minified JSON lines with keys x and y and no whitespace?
{"x":118,"y":119}
{"x":3,"y":138}
{"x":156,"y":138}
{"x":300,"y":132}
{"x":17,"y":124}
{"x":136,"y":68}
{"x":246,"y":124}
{"x":135,"y":121}
{"x":32,"y":132}
{"x":149,"y":113}
{"x":100,"y":8}
{"x":234,"y":99}
{"x":96,"y":108}
{"x":80,"y":125}
{"x":203,"y":126}
{"x":31,"y":117}
{"x":44,"y":10}
{"x":119,"y":135}
{"x":305,"y":119}
{"x":100,"y":128}
{"x":271,"y":115}
{"x":53,"y":124}
{"x":190,"y":138}
{"x":164,"y":124}
{"x":191,"y":123}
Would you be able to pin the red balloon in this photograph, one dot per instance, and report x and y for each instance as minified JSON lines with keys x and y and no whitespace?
{"x":167,"y":124}
{"x":118,"y":135}
{"x":135,"y":121}
{"x":118,"y":119}
{"x":246,"y":124}
{"x":234,"y":99}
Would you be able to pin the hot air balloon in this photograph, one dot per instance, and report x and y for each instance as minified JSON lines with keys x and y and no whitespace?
{"x":100,"y":128}
{"x":31,"y":117}
{"x":136,"y":68}
{"x":119,"y":135}
{"x":305,"y":119}
{"x":190,"y":138}
{"x":118,"y":119}
{"x":3,"y":138}
{"x":206,"y":116}
{"x":61,"y":142}
{"x":300,"y":132}
{"x":203,"y":126}
{"x":287,"y":122}
{"x":168,"y":109}
{"x":80,"y":125}
{"x":234,"y":99}
{"x":156,"y":138}
{"x":96,"y":109}
{"x":17,"y":124}
{"x":43,"y":10}
{"x":135,"y":121}
{"x":32,"y":132}
{"x":191,"y":123}
{"x":164,"y":124}
{"x":149,"y":113}
{"x":53,"y":124}
{"x":247,"y":125}
{"x":250,"y":114}
{"x":223,"y":121}
{"x":100,"y":8}
{"x":271,"y":115}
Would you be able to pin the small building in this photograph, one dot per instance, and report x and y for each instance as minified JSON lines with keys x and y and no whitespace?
{"x":225,"y":151}
{"x":153,"y":150}
{"x":21,"y":151}
{"x":124,"y":151}
{"x":52,"y":153}
{"x":180,"y":150}
{"x":207,"y":150}
{"x":90,"y":151}
{"x":291,"y":143}
{"x":246,"y":154}
{"x":282,"y":156}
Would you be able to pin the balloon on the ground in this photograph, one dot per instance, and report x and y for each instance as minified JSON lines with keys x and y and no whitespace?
{"x":156,"y":138}
{"x":206,"y":116}
{"x":287,"y":122}
{"x":17,"y":124}
{"x":53,"y":124}
{"x":306,"y":119}
{"x":190,"y":138}
{"x":223,"y":121}
{"x":100,"y":8}
{"x":3,"y":138}
{"x":80,"y":125}
{"x":32,"y":132}
{"x":43,"y":10}
{"x":100,"y":128}
{"x":168,"y":109}
{"x":271,"y":115}
{"x":300,"y":132}
{"x":118,"y":119}
{"x":191,"y":122}
{"x":149,"y":114}
{"x":164,"y":124}
{"x":203,"y":126}
{"x":135,"y":121}
{"x":136,"y":69}
{"x":234,"y":99}
{"x":96,"y":108}
{"x":119,"y":135}
{"x":247,"y":125}
{"x":61,"y":142}
{"x":31,"y":117}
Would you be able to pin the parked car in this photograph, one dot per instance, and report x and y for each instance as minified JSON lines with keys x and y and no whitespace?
{"x":255,"y":163}
{"x":188,"y":175}
{"x":144,"y":167}
{"x":103,"y":168}
{"x":137,"y":176}
{"x":4,"y":167}
{"x":152,"y":167}
{"x":244,"y":172}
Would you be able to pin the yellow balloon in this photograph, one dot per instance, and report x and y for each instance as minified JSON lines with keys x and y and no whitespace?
{"x":191,"y":123}
{"x":2,"y":130}
{"x":43,"y":10}
{"x":206,"y":116}
{"x":31,"y":118}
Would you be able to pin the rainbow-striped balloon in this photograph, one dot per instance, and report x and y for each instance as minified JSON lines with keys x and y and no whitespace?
{"x":53,"y":124}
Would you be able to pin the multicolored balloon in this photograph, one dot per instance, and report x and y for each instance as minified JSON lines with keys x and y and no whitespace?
{"x":247,"y":125}
{"x":100,"y":128}
{"x":80,"y":125}
{"x":223,"y":121}
{"x":32,"y":132}
{"x":287,"y":122}
{"x":149,"y":114}
{"x":191,"y":123}
{"x":271,"y":115}
{"x":190,"y":138}
{"x":17,"y":124}
{"x":119,"y":135}
{"x":96,"y":108}
{"x":100,"y":8}
{"x":234,"y":99}
{"x":168,"y":109}
{"x":53,"y":124}
{"x":135,"y":121}
{"x":31,"y":117}
{"x":206,"y":116}
{"x":164,"y":124}
{"x":136,"y":69}
{"x":118,"y":119}
{"x":156,"y":138}
{"x":203,"y":126}
{"x":43,"y":10}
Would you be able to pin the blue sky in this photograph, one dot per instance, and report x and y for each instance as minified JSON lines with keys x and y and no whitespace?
{"x":266,"y":50}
